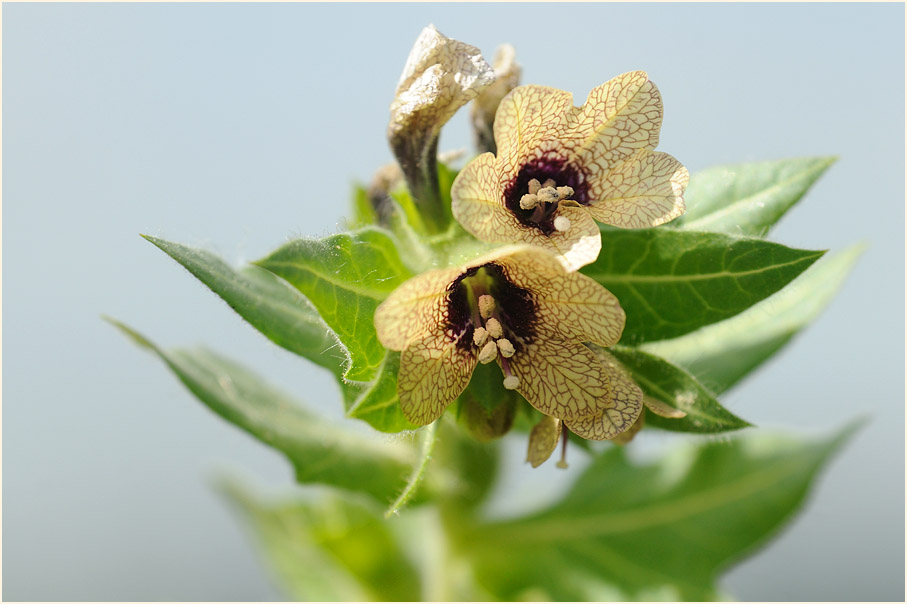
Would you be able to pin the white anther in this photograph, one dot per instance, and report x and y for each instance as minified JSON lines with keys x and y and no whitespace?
{"x":479,"y":336}
{"x":488,"y":353}
{"x":561,"y":223}
{"x":529,"y":201}
{"x":534,"y":186}
{"x":511,"y":382}
{"x":486,"y":305}
{"x":547,"y":195}
{"x":506,"y":348}
{"x":494,"y":328}
{"x":565,"y":192}
{"x":549,"y":183}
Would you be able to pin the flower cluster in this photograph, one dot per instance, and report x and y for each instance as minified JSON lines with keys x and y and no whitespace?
{"x":551,"y":172}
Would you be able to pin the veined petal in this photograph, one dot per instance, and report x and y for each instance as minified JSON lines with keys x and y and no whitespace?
{"x":569,"y":306}
{"x":619,"y":117}
{"x":619,"y":413}
{"x":543,"y":440}
{"x":644,"y":190}
{"x":529,"y":122}
{"x":434,"y":371}
{"x":414,"y":309}
{"x":561,"y":378}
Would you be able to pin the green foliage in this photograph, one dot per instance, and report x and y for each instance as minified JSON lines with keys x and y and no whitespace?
{"x":747,"y":199}
{"x":663,"y":530}
{"x":720,"y":355}
{"x":345,"y":277}
{"x":320,"y":452}
{"x":266,"y":302}
{"x":707,"y":301}
{"x":672,"y":282}
{"x":332,"y":549}
{"x":678,"y":389}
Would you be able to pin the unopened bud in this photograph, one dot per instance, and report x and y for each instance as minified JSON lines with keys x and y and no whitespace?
{"x":494,"y":328}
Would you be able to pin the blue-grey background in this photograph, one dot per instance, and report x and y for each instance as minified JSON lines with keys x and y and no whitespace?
{"x":235,"y":127}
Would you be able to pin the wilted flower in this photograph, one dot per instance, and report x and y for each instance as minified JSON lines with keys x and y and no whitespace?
{"x":440,"y":76}
{"x":518,"y":307}
{"x":559,"y":168}
{"x":506,"y":77}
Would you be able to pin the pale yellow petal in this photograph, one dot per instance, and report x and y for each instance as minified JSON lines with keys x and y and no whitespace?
{"x":543,"y":440}
{"x":619,"y":117}
{"x":477,"y":204}
{"x":529,"y":122}
{"x":624,"y":438}
{"x":433,"y":373}
{"x":645,"y":190}
{"x":570,"y":306}
{"x":561,"y":378}
{"x":618,"y":412}
{"x":414,"y":309}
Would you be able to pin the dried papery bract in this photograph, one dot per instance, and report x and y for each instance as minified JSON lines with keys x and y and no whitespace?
{"x":507,"y":74}
{"x":440,"y":76}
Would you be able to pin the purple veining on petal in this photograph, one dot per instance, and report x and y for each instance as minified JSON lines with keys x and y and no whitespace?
{"x":543,"y":168}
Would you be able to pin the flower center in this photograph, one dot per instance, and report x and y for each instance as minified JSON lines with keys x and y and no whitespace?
{"x":543,"y":199}
{"x":540,"y":188}
{"x":491,"y":317}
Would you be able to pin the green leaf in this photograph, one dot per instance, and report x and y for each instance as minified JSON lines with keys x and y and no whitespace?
{"x":266,"y":302}
{"x":672,"y":282}
{"x":720,"y":355}
{"x":639,"y":531}
{"x":363,"y":211}
{"x":678,"y":389}
{"x":332,"y":549}
{"x":320,"y":452}
{"x":345,"y":277}
{"x":747,"y":199}
{"x":378,"y":403}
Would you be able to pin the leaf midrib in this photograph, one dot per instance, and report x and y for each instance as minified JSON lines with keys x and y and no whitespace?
{"x":359,"y":291}
{"x":627,"y":278}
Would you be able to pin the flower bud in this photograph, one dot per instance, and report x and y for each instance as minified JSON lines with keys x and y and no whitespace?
{"x":543,"y":440}
{"x":507,"y":77}
{"x":440,"y":76}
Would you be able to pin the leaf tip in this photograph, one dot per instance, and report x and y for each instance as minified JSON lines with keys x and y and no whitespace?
{"x":132,"y":334}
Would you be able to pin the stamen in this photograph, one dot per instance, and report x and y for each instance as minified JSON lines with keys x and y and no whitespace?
{"x":479,"y":336}
{"x":506,"y":348}
{"x":493,"y":326}
{"x":486,"y":306}
{"x":534,"y":186}
{"x":547,"y":195}
{"x":549,"y":183}
{"x":529,"y":201}
{"x":511,"y":382}
{"x":562,"y":463}
{"x":565,"y":192}
{"x":561,"y":223}
{"x":488,"y":353}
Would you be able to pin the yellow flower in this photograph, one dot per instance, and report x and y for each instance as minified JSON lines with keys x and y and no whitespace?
{"x":560,"y":168}
{"x":519,"y":307}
